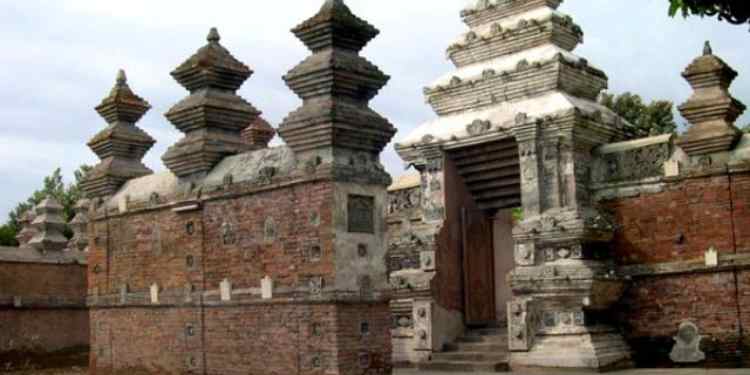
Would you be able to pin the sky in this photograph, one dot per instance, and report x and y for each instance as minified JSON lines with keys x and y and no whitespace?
{"x":60,"y":58}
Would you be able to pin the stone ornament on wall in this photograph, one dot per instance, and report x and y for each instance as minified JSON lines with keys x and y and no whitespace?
{"x":403,"y":200}
{"x":687,"y":345}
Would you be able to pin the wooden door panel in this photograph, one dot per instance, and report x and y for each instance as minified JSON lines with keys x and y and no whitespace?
{"x":479,"y":268}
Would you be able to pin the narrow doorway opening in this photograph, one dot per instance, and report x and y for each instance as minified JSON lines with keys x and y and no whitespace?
{"x":490,"y":175}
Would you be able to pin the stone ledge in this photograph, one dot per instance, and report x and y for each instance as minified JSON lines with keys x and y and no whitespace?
{"x":727,"y":262}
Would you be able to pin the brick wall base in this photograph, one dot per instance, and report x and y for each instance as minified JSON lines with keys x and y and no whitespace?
{"x":273,"y":338}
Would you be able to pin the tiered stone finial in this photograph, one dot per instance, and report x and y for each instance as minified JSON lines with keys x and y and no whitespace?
{"x":49,"y":225}
{"x":80,"y":240}
{"x":336,"y":85}
{"x":120,"y":146}
{"x":258,"y":134}
{"x":213,"y":116}
{"x":711,"y":110}
{"x":27,"y":230}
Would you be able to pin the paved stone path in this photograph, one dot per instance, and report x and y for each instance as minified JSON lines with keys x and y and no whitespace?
{"x":628,"y":372}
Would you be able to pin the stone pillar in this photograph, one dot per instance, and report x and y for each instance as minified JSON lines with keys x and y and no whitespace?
{"x":27,"y":230}
{"x":560,"y":283}
{"x":213,"y":116}
{"x":711,"y":110}
{"x":49,"y":225}
{"x":122,"y":145}
{"x":80,"y":240}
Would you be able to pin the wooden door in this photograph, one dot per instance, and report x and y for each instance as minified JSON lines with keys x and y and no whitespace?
{"x":479,"y":268}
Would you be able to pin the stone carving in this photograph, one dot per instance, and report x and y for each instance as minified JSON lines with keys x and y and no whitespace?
{"x":478,"y":127}
{"x":361,"y":214}
{"x":227,"y":234}
{"x":687,"y":345}
{"x":315,"y":284}
{"x":269,"y":231}
{"x":266,"y":175}
{"x":405,"y":199}
{"x":636,"y":164}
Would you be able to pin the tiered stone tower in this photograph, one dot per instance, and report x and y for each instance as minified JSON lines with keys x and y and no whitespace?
{"x":80,"y":240}
{"x":27,"y":230}
{"x":213,"y":116}
{"x":517,"y":82}
{"x":335,"y":124}
{"x":711,"y":110}
{"x":122,"y":145}
{"x":49,"y":225}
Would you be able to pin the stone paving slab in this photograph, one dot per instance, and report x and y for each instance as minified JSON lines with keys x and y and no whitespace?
{"x":745,"y":371}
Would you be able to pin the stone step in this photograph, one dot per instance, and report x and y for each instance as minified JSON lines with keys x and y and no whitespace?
{"x":465,"y":356}
{"x":487,"y":332}
{"x":463,"y":366}
{"x":469,"y":338}
{"x":480,"y":347}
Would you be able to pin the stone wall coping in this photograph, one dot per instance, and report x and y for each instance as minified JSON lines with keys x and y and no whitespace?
{"x":406,"y":181}
{"x":29,"y":255}
{"x":727,"y":262}
{"x":634,"y":144}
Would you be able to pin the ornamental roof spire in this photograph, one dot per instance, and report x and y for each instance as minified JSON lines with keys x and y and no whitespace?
{"x":121,"y":145}
{"x":213,"y":115}
{"x":711,"y":110}
{"x":336,"y":84}
{"x":335,"y":26}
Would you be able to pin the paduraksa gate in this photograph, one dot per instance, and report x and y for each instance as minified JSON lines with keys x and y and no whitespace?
{"x":617,"y":236}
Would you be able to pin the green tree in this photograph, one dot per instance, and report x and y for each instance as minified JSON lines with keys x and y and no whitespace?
{"x":52,"y":185}
{"x":654,"y":118}
{"x":746,"y":128}
{"x":733,"y":11}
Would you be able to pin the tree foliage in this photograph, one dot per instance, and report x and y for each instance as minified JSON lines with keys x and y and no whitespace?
{"x":654,"y":118}
{"x":52,"y":185}
{"x":732,"y":11}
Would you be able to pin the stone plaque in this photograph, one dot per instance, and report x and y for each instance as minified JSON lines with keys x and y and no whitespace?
{"x":361,"y":214}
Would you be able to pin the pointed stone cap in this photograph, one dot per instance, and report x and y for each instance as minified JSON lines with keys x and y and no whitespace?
{"x":50,"y":226}
{"x":709,"y":70}
{"x":122,"y":105}
{"x":212,"y":66}
{"x":711,"y":110}
{"x":335,"y":26}
{"x":259,"y":134}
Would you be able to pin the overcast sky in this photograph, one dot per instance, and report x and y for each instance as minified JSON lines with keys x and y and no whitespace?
{"x":60,"y":57}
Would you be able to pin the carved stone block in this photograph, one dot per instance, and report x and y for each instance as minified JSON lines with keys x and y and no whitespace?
{"x":687,"y":345}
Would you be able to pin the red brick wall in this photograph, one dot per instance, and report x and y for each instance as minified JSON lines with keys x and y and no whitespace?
{"x":140,"y":255}
{"x":268,"y":339}
{"x":682,"y":223}
{"x":43,"y":330}
{"x":52,"y":316}
{"x":40,"y":280}
{"x":249,"y":337}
